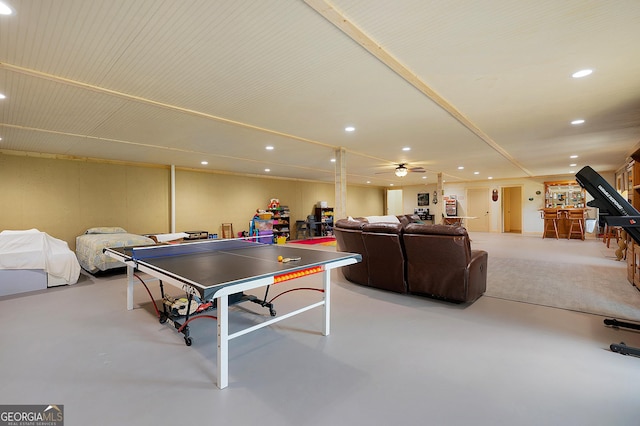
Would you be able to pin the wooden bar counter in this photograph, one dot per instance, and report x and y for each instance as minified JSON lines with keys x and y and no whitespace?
{"x":564,"y":223}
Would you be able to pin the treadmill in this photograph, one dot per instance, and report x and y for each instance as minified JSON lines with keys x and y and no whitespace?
{"x":618,"y":212}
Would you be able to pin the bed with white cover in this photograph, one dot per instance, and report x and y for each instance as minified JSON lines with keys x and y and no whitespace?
{"x":33,"y":260}
{"x":90,"y":246}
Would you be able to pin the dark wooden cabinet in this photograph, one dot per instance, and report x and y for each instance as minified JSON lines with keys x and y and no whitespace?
{"x":324,"y":217}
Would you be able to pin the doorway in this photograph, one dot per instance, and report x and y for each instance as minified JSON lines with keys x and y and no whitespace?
{"x":512,"y":209}
{"x":394,"y":202}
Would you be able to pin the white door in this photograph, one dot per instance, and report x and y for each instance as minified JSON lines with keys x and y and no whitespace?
{"x":478,"y":207}
{"x":394,"y":202}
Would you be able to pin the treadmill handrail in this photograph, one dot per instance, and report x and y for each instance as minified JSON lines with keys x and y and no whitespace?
{"x":606,"y":198}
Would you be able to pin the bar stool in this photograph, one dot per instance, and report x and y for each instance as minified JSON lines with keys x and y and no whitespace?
{"x":576,"y":217}
{"x":610,"y":231}
{"x":550,"y":217}
{"x":227,"y":230}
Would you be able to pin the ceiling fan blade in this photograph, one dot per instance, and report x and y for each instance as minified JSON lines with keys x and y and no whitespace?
{"x":403,"y":165}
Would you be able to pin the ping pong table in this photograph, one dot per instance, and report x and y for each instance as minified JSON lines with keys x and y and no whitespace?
{"x":217,"y":271}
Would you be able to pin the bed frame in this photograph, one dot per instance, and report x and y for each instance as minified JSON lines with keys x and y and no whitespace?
{"x":15,"y":281}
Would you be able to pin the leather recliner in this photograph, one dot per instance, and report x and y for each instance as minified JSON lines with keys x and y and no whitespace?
{"x":440,"y":263}
{"x":385,"y":255}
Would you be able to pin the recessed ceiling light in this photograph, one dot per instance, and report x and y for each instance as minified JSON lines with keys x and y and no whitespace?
{"x":578,"y":121}
{"x":476,"y":173}
{"x":573,"y":156}
{"x":2,"y":96}
{"x":406,"y":148}
{"x":268,"y":148}
{"x":581,"y":73}
{"x":424,"y":177}
{"x":267,"y":170}
{"x":204,"y":163}
{"x":333,"y":160}
{"x":5,"y":9}
{"x":573,"y":165}
{"x":460,"y":167}
{"x":368,"y":181}
{"x":490,"y":177}
{"x":349,"y":129}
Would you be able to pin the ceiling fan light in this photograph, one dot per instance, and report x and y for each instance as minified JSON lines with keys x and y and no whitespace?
{"x":5,"y":9}
{"x":401,"y":171}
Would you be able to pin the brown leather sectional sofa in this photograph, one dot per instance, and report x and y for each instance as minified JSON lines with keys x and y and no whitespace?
{"x":413,"y":257}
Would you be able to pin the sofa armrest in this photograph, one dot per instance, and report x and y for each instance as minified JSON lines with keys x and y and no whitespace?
{"x":349,"y":224}
{"x":477,"y":280}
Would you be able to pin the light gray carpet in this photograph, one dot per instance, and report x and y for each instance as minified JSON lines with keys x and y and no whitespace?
{"x":532,"y":270}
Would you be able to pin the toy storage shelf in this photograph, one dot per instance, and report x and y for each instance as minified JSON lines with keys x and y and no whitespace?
{"x":281,"y":218}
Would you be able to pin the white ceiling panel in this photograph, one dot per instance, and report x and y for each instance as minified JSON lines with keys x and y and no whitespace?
{"x":484,"y":85}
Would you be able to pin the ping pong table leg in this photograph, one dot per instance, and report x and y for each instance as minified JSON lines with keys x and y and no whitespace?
{"x":326,"y":284}
{"x":223,"y":341}
{"x":129,"y":288}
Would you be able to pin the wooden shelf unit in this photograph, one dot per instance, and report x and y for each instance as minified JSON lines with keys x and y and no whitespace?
{"x":633,"y":183}
{"x":627,"y":183}
{"x":564,"y":194}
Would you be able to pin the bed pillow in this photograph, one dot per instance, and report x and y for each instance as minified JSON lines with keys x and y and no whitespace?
{"x":106,"y":230}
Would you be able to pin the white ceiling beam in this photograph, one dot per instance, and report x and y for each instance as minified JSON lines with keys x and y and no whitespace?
{"x":331,"y":14}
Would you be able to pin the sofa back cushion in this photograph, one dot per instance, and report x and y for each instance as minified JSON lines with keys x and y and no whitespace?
{"x":385,"y":253}
{"x":382,"y":219}
{"x":438,"y":257}
{"x":348,"y":235}
{"x":406,"y":219}
{"x":428,"y":229}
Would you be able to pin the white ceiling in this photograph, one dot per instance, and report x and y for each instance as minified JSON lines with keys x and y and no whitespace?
{"x":481,"y":84}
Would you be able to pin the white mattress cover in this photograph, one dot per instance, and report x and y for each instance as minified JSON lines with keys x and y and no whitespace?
{"x":32,"y":249}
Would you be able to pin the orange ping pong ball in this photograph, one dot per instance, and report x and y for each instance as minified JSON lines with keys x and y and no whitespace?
{"x":279,"y":258}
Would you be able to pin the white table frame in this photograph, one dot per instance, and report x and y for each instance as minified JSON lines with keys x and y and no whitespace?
{"x":222,"y":300}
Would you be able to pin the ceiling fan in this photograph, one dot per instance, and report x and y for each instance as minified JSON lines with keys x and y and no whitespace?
{"x":402,"y":170}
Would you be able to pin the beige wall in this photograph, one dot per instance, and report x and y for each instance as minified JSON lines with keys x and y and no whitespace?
{"x":207,"y":200}
{"x":531,"y":202}
{"x":410,"y":197}
{"x":65,"y":197}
